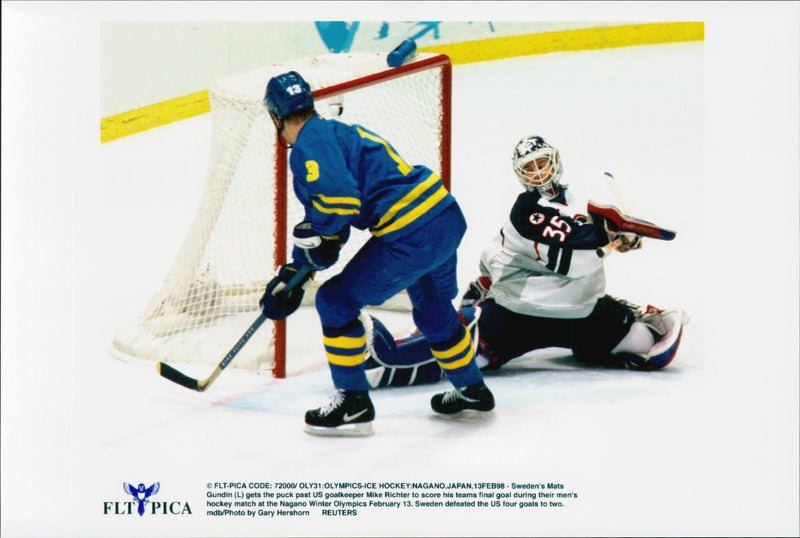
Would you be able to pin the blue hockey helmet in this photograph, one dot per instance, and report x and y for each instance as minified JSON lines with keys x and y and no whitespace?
{"x":538,"y":165}
{"x":287,"y":93}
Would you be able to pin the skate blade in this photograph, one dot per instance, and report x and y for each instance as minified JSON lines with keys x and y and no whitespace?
{"x":362,"y":429}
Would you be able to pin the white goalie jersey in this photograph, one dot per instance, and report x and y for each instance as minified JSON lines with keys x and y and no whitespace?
{"x":543,"y":261}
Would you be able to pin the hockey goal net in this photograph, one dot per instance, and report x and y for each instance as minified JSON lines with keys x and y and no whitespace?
{"x":242,"y":230}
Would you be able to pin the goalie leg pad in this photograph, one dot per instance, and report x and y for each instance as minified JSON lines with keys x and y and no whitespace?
{"x":408,"y":360}
{"x":384,"y":350}
{"x":385,"y":376}
{"x":671,"y":322}
{"x":381,"y":347}
{"x":400,"y":363}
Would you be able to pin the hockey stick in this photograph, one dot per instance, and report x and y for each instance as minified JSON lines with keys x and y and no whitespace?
{"x":605,"y":250}
{"x":201,"y":385}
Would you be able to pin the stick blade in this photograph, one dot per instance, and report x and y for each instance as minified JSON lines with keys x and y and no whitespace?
{"x":175,"y":376}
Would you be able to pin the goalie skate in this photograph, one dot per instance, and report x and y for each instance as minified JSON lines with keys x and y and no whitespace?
{"x":667,"y":328}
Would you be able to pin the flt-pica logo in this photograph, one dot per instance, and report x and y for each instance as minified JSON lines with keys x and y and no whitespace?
{"x":142,"y":504}
{"x":141,"y":494}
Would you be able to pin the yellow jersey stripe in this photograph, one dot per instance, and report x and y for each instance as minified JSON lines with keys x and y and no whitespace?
{"x":343,"y":200}
{"x":346,"y":360}
{"x":412,"y":215}
{"x":402,"y":167}
{"x":455,"y":364}
{"x":457,"y":349}
{"x":345,"y":342}
{"x":335,"y":210}
{"x":407,"y":199}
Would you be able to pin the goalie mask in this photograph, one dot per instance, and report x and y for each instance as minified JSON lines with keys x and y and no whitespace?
{"x":538,"y":166}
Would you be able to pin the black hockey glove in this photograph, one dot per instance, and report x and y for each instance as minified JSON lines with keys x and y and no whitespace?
{"x":318,"y":251}
{"x":280,"y":300}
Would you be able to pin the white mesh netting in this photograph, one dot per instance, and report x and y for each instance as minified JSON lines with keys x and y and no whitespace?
{"x":210,"y":295}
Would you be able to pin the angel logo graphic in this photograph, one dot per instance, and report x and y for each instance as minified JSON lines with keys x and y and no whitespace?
{"x":141,"y":494}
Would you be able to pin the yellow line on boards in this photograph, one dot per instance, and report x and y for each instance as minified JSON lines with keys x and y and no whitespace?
{"x":150,"y":116}
{"x":570,"y":40}
{"x":197,"y":103}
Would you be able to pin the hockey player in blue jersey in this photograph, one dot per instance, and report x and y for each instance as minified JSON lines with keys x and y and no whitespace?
{"x":345,"y":175}
{"x":541,"y":285}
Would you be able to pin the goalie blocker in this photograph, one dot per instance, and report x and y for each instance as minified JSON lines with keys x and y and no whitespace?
{"x":616,"y":221}
{"x":623,"y":223}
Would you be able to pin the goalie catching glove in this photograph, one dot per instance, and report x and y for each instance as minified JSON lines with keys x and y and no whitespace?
{"x":625,"y":240}
{"x":279,"y":299}
{"x":316,"y":250}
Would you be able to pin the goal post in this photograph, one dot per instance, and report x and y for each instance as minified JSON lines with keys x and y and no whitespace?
{"x":241,"y":232}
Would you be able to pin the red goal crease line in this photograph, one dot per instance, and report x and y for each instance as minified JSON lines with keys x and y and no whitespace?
{"x":194,"y":104}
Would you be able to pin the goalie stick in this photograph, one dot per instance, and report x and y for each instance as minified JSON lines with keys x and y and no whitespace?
{"x":624,"y":222}
{"x":201,"y":385}
{"x":612,"y":184}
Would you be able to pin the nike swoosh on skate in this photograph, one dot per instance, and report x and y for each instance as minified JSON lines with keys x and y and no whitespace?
{"x":348,"y":418}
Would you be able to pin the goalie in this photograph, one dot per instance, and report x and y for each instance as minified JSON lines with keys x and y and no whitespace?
{"x":542,"y":284}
